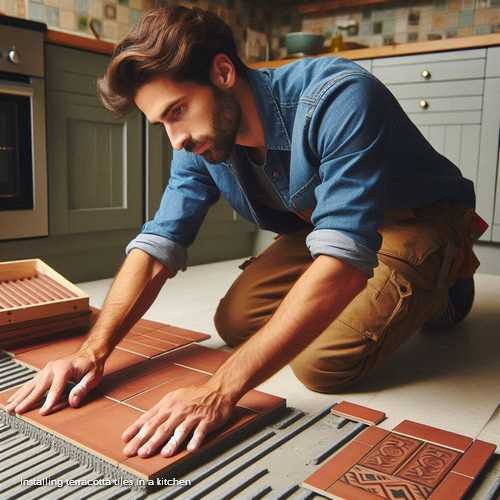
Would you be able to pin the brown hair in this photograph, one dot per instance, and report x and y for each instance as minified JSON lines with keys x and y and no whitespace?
{"x":176,"y":42}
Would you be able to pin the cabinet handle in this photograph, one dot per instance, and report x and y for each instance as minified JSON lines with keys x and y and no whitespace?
{"x":424,"y":104}
{"x":426,"y":75}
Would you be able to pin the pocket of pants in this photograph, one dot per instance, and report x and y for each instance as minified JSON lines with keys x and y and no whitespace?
{"x":379,"y":304}
{"x":417,"y":244}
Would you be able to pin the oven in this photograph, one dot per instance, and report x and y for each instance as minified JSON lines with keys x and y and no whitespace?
{"x":23,"y":162}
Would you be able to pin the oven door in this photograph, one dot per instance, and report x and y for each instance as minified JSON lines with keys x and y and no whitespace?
{"x":23,"y":166}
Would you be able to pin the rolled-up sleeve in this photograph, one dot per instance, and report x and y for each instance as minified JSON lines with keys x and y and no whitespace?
{"x":348,"y":134}
{"x":185,"y":202}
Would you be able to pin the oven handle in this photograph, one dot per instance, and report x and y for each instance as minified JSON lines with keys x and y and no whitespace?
{"x":16,"y":90}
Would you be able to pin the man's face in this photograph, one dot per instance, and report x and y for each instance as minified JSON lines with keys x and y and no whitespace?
{"x":198,"y":118}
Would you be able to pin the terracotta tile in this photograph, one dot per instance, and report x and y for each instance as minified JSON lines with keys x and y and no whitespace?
{"x":359,"y":413}
{"x":120,"y":360}
{"x":139,"y":378}
{"x":336,"y":467}
{"x":147,"y":399}
{"x":39,"y":357}
{"x":260,"y":401}
{"x":454,"y":486}
{"x":137,"y":348}
{"x":475,"y":458}
{"x":391,"y":453}
{"x":4,"y":395}
{"x":58,"y":420}
{"x":200,"y":358}
{"x":156,"y":465}
{"x":384,"y":485}
{"x":429,"y":465}
{"x":371,"y":436}
{"x":100,"y":431}
{"x":342,"y":490}
{"x":168,"y":331}
{"x":24,"y":325}
{"x":433,"y":435}
{"x":150,"y":340}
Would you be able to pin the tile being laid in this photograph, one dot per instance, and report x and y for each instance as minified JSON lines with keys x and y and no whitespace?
{"x":358,"y":413}
{"x":199,"y":358}
{"x":168,"y":332}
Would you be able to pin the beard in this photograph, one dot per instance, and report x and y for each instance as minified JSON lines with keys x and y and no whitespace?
{"x":226,"y":121}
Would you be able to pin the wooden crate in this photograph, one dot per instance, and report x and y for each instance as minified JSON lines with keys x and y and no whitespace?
{"x":30,"y":290}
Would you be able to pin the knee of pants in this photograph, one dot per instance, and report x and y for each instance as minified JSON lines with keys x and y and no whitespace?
{"x":231,"y":323}
{"x":320,"y":376}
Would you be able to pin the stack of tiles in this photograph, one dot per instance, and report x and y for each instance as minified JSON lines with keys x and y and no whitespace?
{"x":414,"y":461}
{"x":36,"y":302}
{"x":151,"y":361}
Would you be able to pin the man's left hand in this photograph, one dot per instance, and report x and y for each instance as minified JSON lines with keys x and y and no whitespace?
{"x":194,"y":409}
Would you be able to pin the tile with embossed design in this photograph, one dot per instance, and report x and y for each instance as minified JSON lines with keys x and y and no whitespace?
{"x":429,"y":465}
{"x":391,"y":453}
{"x":384,"y":485}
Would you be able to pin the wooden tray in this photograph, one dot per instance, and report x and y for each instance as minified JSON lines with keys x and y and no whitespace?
{"x":30,"y":289}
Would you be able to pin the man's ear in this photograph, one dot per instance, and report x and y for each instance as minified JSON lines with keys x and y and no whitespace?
{"x":222,"y":72}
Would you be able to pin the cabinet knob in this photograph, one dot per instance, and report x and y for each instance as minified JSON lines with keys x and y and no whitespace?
{"x":13,"y":56}
{"x":426,"y":75}
{"x":424,"y":104}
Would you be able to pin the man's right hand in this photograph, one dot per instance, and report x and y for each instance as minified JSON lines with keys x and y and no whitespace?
{"x":82,"y":368}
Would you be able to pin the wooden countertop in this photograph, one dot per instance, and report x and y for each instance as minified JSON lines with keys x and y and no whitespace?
{"x":79,"y":42}
{"x":101,"y":47}
{"x":402,"y":49}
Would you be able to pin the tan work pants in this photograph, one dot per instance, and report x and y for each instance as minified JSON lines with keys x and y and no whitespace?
{"x":422,"y":254}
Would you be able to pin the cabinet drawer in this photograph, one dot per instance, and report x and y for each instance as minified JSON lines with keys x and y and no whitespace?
{"x":424,"y":90}
{"x":431,"y":71}
{"x":442,"y":104}
{"x":446,"y":118}
{"x":452,"y":55}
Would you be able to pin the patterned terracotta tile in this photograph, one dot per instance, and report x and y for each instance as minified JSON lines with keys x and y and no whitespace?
{"x":429,"y":465}
{"x":358,"y":412}
{"x":454,"y":487}
{"x":433,"y":435}
{"x":157,"y":465}
{"x":340,"y":489}
{"x":371,"y":436}
{"x":336,"y":467}
{"x":475,"y":458}
{"x":391,"y":453}
{"x":384,"y":485}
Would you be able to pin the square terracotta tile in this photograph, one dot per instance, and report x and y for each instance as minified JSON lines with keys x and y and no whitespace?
{"x":163,"y":345}
{"x":454,"y":486}
{"x":128,"y":382}
{"x":137,"y":348}
{"x":359,"y":413}
{"x":147,"y":399}
{"x":99,"y":432}
{"x":120,"y":360}
{"x":149,"y":468}
{"x":371,"y":436}
{"x":475,"y":458}
{"x":200,"y":358}
{"x":175,"y":331}
{"x":433,"y":435}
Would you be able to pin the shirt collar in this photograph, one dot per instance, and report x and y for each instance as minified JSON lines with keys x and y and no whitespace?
{"x":275,"y":133}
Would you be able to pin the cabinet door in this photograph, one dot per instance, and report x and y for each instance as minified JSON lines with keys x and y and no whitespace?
{"x":365,"y":63}
{"x":95,"y":166}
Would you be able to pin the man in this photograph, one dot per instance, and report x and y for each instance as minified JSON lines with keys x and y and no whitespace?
{"x":375,"y":227}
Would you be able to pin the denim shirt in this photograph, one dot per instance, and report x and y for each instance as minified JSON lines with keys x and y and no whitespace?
{"x":340,"y":152}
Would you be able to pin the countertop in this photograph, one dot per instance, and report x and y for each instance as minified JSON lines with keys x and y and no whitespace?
{"x":102,"y":47}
